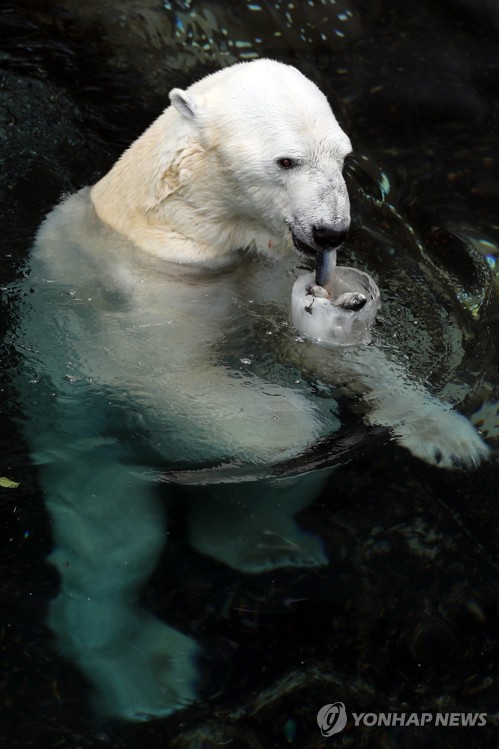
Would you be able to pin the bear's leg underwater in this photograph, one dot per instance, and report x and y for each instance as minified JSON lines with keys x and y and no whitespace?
{"x":109,"y":530}
{"x":251,"y":526}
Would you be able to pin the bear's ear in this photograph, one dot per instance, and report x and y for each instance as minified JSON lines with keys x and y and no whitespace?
{"x":184,"y":103}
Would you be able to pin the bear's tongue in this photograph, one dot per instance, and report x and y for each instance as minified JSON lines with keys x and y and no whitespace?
{"x":326,"y":263}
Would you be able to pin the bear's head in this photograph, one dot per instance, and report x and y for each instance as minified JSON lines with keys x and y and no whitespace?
{"x":273,"y":154}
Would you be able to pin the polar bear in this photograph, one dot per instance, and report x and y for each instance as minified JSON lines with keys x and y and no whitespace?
{"x":157,"y":324}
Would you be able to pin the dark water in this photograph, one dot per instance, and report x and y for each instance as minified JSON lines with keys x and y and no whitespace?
{"x":405,"y":618}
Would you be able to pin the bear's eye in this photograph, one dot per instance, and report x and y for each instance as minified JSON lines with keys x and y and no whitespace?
{"x":286,"y":163}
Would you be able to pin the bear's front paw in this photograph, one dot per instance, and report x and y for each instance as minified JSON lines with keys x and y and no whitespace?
{"x":443,"y":438}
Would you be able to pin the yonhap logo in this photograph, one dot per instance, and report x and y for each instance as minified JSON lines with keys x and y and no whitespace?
{"x":420,"y":719}
{"x":332,"y":718}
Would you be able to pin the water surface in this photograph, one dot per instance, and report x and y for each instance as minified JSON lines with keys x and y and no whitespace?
{"x":405,"y":616}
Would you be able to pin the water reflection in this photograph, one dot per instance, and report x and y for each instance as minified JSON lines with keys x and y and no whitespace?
{"x":224,"y":35}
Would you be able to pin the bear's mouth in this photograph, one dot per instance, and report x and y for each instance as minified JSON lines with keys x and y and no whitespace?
{"x":325,"y":260}
{"x":304,"y":248}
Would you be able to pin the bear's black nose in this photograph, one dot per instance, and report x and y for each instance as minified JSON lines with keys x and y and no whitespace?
{"x":329,"y":236}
